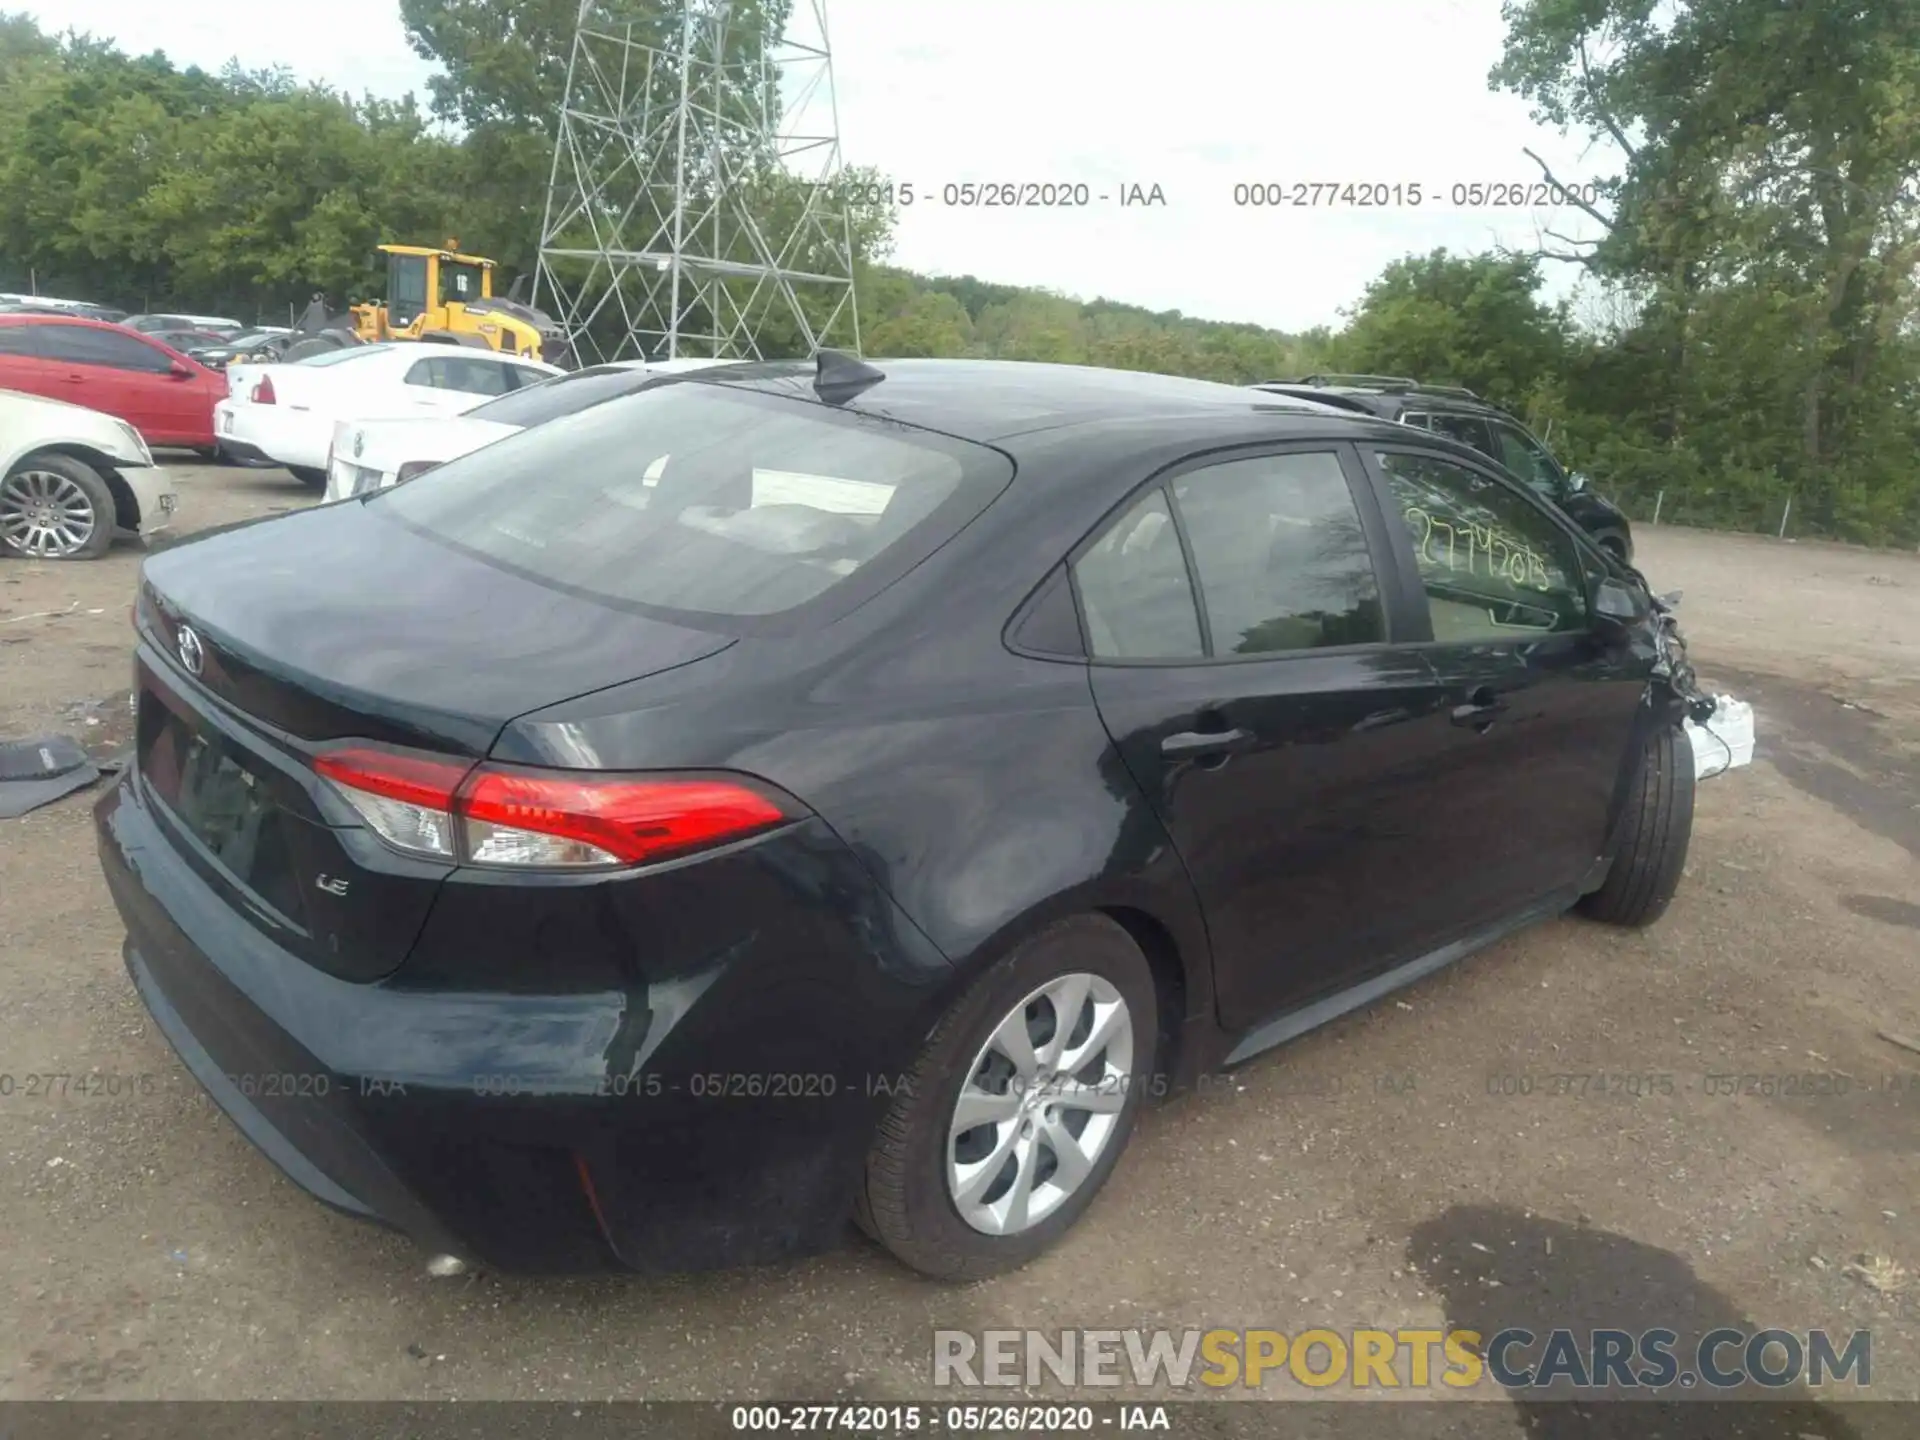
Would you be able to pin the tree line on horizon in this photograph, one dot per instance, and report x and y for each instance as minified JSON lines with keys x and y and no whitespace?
{"x":1758,"y":251}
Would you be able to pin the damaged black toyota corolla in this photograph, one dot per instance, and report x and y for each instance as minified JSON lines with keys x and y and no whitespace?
{"x":800,"y":793}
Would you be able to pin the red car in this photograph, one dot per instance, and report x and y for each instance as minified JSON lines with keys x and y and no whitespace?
{"x":164,"y":395}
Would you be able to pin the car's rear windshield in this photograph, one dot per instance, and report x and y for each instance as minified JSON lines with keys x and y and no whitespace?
{"x":561,"y":395}
{"x":697,"y":498}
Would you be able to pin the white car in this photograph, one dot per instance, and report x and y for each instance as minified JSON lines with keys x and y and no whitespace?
{"x":70,"y":477}
{"x":286,"y":413}
{"x":370,"y":455}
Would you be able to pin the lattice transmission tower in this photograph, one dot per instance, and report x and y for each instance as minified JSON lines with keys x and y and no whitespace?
{"x":693,"y":208}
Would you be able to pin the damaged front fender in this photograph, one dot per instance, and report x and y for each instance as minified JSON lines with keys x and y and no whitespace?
{"x":1675,"y":684}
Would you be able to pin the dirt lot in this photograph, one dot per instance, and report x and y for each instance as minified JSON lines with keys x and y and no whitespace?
{"x":1369,"y":1175}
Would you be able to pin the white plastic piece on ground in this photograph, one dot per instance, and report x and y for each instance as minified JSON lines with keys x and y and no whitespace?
{"x":443,"y":1266}
{"x":1725,"y":740}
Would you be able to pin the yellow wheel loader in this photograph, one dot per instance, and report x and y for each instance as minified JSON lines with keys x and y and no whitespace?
{"x":445,"y":296}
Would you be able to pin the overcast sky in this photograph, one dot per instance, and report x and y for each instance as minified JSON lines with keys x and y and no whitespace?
{"x":1194,"y":97}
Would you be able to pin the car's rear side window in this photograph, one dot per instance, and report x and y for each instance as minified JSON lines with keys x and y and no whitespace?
{"x":1134,"y":589}
{"x":695,"y":498}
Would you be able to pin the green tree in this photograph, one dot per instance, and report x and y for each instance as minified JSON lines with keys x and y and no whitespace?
{"x":1768,"y":184}
{"x":1461,"y":320}
{"x":929,"y":323}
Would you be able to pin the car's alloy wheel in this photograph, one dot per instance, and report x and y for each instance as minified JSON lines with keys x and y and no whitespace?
{"x":1020,"y":1105}
{"x":47,"y":512}
{"x":1040,"y":1104}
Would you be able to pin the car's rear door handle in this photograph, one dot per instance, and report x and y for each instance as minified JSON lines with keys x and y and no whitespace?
{"x":1482,"y":706}
{"x":1189,"y":743}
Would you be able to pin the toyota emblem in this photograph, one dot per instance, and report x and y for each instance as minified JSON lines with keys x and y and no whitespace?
{"x":359,"y":444}
{"x":192,"y":654}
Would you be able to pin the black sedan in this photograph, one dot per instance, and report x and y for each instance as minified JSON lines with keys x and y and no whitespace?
{"x":259,"y":345}
{"x":792,"y":793}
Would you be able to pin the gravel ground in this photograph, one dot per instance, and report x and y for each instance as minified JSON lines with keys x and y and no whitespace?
{"x":1370,"y":1175}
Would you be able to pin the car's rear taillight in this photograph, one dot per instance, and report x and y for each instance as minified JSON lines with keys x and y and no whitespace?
{"x":413,"y":468}
{"x":263,"y":391}
{"x":521,"y":818}
{"x":407,"y":799}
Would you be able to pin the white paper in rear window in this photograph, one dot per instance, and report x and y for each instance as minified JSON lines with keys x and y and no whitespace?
{"x":821,"y":492}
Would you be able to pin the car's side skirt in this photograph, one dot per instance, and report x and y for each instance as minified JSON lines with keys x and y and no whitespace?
{"x":1294,"y":1023}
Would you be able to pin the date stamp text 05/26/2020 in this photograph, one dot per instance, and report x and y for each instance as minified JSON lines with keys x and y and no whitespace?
{"x":1326,"y":194}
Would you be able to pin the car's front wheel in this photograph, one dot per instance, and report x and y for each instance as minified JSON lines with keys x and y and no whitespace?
{"x":1654,"y":835}
{"x":1019,"y":1107}
{"x":54,"y":507}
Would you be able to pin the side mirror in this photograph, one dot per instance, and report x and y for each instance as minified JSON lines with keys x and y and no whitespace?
{"x":177,"y":371}
{"x":1576,"y":482}
{"x":1617,"y":607}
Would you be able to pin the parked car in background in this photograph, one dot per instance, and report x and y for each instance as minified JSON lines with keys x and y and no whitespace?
{"x":183,"y":322}
{"x":618,"y":803}
{"x":50,"y":305}
{"x":165,"y":395}
{"x":71,"y":477}
{"x":1458,"y":413}
{"x":185,"y":341}
{"x":286,"y":413}
{"x":369,"y":455}
{"x":261,"y":344}
{"x":304,"y":345}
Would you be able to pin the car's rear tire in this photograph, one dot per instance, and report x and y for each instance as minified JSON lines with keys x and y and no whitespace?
{"x":1025,"y":1166}
{"x":1655,"y":833}
{"x":312,"y":479}
{"x":54,"y":507}
{"x":1617,"y":547}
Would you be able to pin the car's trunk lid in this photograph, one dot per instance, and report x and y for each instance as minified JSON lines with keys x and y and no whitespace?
{"x":336,"y":623}
{"x":265,"y":644}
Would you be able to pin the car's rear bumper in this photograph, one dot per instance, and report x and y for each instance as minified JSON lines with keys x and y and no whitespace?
{"x":501,"y":1126}
{"x":241,"y":450}
{"x":275,"y":432}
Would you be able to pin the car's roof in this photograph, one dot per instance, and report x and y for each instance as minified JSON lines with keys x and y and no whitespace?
{"x":1376,"y":399}
{"x":669,"y":367}
{"x":41,"y":317}
{"x":997,"y":399}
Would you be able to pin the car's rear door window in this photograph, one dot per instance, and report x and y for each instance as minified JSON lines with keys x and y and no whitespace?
{"x":1277,"y":545}
{"x":1525,"y":456}
{"x":694,"y":498}
{"x":1493,"y":566}
{"x":1467,"y":429}
{"x":476,"y":376}
{"x":1282,"y":559}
